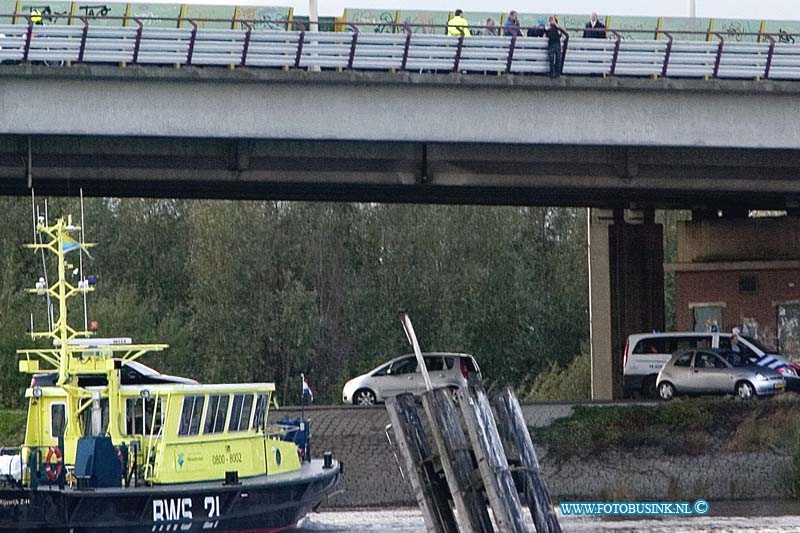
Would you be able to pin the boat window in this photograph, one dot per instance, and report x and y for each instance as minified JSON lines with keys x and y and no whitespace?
{"x":58,"y":420}
{"x":211,"y":413}
{"x":261,"y":410}
{"x":222,"y":413}
{"x":191,"y":413}
{"x":139,"y":416}
{"x":86,"y":418}
{"x":236,"y":412}
{"x":247,"y":410}
{"x":153,"y":416}
{"x":240,"y":412}
{"x":215,"y":414}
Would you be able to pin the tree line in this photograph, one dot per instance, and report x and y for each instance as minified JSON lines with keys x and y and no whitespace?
{"x":262,"y":291}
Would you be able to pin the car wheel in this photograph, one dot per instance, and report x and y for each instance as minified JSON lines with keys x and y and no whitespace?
{"x":364,"y":398}
{"x":745,"y":391}
{"x":666,"y":391}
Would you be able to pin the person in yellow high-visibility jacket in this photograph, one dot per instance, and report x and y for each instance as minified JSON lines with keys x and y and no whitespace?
{"x":458,"y":24}
{"x":36,"y":17}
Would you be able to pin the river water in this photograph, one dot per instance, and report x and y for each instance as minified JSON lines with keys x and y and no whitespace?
{"x":725,"y":517}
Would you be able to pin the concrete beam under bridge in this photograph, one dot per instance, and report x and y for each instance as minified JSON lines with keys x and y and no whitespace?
{"x":361,"y":106}
{"x":421,"y":172}
{"x":626,"y":287}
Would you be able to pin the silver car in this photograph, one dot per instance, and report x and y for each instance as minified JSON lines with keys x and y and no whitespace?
{"x":708,"y":372}
{"x":402,"y":375}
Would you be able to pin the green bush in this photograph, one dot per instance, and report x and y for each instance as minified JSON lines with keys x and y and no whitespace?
{"x":794,"y":476}
{"x":12,"y":427}
{"x":689,"y":426}
{"x":571,"y":383}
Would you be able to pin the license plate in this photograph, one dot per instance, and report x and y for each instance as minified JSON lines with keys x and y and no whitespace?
{"x":779,"y":385}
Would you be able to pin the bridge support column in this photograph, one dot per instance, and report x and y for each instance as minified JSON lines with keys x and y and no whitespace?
{"x":626,"y":289}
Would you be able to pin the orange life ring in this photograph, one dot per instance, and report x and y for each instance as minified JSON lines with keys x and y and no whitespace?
{"x":53,"y":470}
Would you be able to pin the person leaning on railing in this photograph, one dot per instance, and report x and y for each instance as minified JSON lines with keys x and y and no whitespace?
{"x":553,"y":34}
{"x":458,"y":25}
{"x":538,"y":30}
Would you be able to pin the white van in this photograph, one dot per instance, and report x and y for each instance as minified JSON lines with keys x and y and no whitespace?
{"x":646,"y":353}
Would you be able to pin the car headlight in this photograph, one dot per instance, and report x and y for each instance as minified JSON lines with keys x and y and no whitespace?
{"x":761,"y":377}
{"x":787,"y":371}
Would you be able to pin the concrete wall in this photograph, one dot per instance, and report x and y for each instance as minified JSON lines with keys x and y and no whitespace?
{"x":371,"y":475}
{"x":267,"y":104}
{"x":742,"y":239}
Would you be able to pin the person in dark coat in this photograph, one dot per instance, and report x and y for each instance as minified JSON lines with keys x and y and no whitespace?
{"x":594,"y":29}
{"x":553,"y":34}
{"x":538,"y":30}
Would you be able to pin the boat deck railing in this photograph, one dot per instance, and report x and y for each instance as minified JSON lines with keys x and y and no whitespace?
{"x":623,"y":52}
{"x":34,"y":470}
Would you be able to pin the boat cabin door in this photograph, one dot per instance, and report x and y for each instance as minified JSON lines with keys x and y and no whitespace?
{"x":47,"y":421}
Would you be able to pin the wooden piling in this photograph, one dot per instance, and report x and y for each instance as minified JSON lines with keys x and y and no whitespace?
{"x":512,"y":427}
{"x":492,"y":463}
{"x":472,"y":514}
{"x":429,"y":488}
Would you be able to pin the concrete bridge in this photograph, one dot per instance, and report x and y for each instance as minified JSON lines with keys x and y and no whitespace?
{"x":399,"y":137}
{"x":612,"y":143}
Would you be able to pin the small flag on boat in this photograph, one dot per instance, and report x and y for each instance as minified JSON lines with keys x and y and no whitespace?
{"x":68,"y":244}
{"x":306,"y":389}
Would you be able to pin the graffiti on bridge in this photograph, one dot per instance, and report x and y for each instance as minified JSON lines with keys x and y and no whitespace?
{"x":785,"y":37}
{"x":95,"y":11}
{"x":48,"y":14}
{"x":53,"y":16}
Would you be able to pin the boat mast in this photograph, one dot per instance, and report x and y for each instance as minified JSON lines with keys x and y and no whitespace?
{"x":59,"y":242}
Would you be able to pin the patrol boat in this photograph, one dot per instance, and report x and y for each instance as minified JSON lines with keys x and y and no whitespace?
{"x":111,"y":444}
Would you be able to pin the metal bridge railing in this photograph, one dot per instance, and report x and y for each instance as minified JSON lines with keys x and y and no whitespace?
{"x":135,"y":40}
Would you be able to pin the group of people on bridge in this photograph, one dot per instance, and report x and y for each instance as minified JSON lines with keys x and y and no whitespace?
{"x":458,"y":26}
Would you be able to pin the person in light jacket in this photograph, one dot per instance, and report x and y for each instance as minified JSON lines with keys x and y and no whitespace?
{"x":458,"y":25}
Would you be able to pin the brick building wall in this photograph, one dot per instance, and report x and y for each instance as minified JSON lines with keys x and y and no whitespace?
{"x":740,"y":272}
{"x":773,"y":290}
